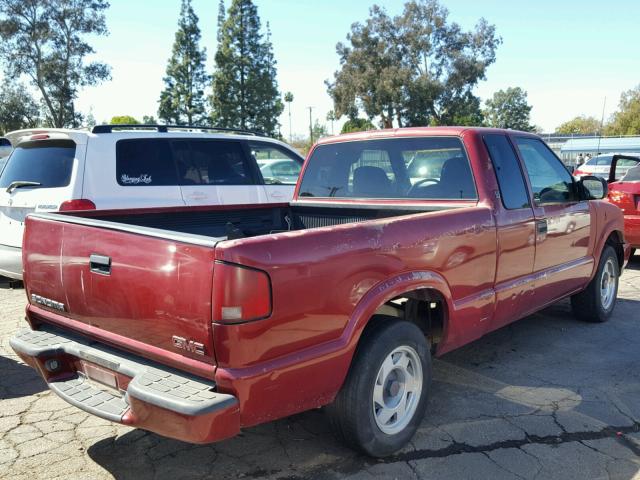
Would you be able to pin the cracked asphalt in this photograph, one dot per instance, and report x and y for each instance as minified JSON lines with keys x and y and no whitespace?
{"x":546,"y":397}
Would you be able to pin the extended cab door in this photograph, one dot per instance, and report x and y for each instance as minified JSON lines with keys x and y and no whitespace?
{"x":563,"y":223}
{"x":516,"y":224}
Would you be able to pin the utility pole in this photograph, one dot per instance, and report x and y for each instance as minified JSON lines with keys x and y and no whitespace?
{"x":288,"y":97}
{"x":604,"y":104}
{"x":310,"y":125}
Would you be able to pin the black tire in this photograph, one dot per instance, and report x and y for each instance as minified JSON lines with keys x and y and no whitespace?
{"x":633,"y":252}
{"x":352,"y":413}
{"x":588,"y":304}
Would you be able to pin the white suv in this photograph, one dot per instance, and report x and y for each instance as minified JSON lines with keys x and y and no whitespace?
{"x":116,"y":167}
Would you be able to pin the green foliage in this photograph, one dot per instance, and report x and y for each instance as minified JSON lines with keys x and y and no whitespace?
{"x":44,"y":41}
{"x":357,"y":125}
{"x":581,"y":125}
{"x":124,"y":120}
{"x":319,"y":131}
{"x":183,"y":100}
{"x":18,"y":109}
{"x":149,"y":120}
{"x":508,"y":109}
{"x":245,"y":89}
{"x":626,"y":121}
{"x":414,"y":69}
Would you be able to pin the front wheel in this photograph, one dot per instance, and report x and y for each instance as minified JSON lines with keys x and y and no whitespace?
{"x":384,"y":397}
{"x":596,"y":302}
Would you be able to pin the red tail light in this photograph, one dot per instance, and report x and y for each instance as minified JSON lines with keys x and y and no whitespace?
{"x":240,"y":294}
{"x":578,"y":173}
{"x":79,"y":204}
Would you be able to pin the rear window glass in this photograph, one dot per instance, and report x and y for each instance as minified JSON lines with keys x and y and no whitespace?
{"x":158,"y":162}
{"x":48,"y":163}
{"x":421,"y":168}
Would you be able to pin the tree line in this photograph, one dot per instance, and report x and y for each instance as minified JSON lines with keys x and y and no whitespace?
{"x":417,"y":68}
{"x":44,"y":42}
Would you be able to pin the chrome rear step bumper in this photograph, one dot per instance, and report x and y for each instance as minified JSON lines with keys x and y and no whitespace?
{"x":128,"y":389}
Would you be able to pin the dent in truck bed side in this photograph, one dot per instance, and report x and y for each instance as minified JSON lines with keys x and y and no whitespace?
{"x":313,"y":333}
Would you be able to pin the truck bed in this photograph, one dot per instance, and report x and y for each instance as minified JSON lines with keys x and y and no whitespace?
{"x":222,"y":223}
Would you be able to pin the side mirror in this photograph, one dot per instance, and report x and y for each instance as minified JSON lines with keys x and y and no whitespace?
{"x":593,"y":188}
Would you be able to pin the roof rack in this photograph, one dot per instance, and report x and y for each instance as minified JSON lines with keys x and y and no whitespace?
{"x":166,"y":128}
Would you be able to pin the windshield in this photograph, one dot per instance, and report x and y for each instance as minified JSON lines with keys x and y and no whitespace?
{"x":48,"y":163}
{"x":423,"y":168}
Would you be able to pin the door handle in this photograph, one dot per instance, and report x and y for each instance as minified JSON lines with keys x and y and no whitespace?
{"x":100,"y":264}
{"x":542,"y":227}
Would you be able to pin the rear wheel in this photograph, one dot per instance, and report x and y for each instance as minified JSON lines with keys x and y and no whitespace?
{"x":596,"y":302}
{"x":382,"y":402}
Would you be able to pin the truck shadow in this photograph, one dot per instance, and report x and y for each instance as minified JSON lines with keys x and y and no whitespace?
{"x":18,"y":380}
{"x":538,"y":379}
{"x":10,"y":284}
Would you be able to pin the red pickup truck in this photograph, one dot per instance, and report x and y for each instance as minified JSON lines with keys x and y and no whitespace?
{"x":401,"y":244}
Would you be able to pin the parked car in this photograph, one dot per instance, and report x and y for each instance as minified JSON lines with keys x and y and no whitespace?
{"x":625,"y":193}
{"x":600,"y":166}
{"x":218,"y":318}
{"x":128,"y":167}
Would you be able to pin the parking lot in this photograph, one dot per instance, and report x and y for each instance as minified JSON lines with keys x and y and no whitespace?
{"x":547,"y":397}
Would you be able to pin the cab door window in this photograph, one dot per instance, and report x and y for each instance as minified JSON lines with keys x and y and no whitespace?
{"x":550,"y":181}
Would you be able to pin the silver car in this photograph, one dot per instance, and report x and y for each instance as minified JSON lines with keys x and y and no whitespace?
{"x":600,"y":166}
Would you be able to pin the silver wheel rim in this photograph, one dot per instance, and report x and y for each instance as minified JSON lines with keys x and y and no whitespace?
{"x":608,"y":285}
{"x":397,"y":390}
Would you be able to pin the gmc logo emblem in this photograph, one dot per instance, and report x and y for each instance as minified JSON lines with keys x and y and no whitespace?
{"x":188,"y":345}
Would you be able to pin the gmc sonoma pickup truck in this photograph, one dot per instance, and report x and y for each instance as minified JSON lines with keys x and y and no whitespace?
{"x":195,"y":322}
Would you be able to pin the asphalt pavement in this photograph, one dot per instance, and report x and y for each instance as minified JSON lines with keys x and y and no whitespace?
{"x":547,"y":397}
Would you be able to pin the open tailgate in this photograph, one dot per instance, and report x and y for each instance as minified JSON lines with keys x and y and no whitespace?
{"x":134,"y":290}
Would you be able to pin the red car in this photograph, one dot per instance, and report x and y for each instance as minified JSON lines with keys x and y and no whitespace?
{"x":625,"y":193}
{"x":400,"y":245}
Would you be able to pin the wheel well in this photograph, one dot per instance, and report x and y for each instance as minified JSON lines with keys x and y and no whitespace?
{"x":426,"y":307}
{"x":615,"y":240}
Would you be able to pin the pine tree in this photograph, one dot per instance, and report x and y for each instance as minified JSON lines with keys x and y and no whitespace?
{"x":245,"y":88}
{"x":221,"y":16}
{"x":183,"y":100}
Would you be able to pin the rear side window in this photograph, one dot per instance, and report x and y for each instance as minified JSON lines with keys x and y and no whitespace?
{"x":420,"y":168}
{"x":48,"y":163}
{"x":162,"y":162}
{"x":277,"y":166}
{"x":145,"y":163}
{"x":513,"y":190}
{"x":215,"y":163}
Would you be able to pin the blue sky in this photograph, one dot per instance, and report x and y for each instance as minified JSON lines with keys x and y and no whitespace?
{"x":567,"y":54}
